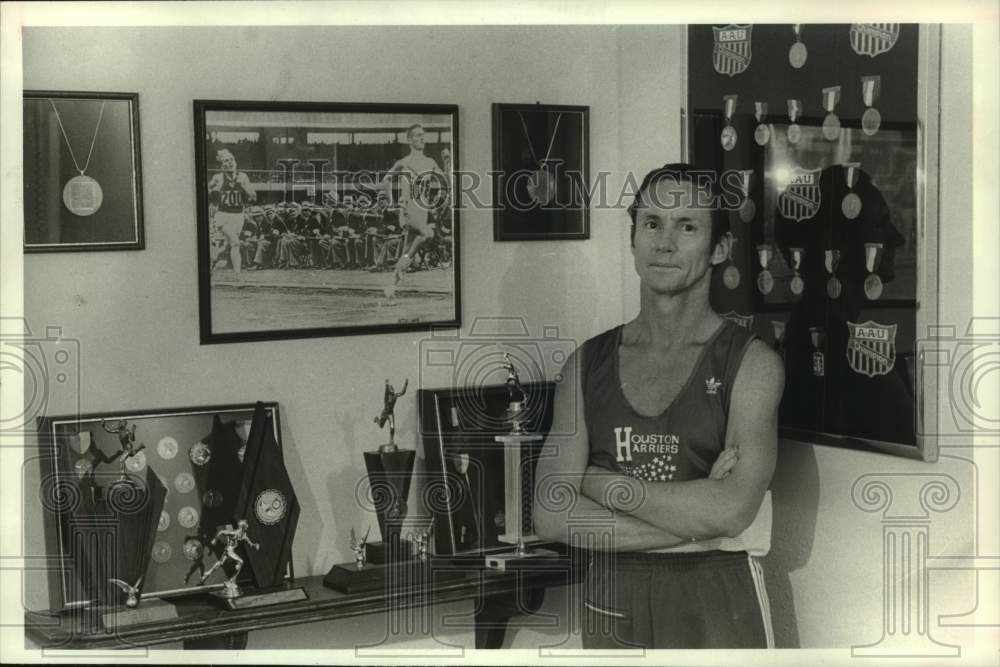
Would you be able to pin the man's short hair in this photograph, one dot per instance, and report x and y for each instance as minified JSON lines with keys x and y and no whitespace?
{"x":221,"y":154}
{"x":681,"y":172}
{"x":410,"y":129}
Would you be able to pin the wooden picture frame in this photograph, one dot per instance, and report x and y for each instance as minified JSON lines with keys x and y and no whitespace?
{"x":541,"y":163}
{"x":82,"y":172}
{"x":342,"y":214}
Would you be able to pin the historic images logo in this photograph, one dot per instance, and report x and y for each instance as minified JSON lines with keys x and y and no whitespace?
{"x":871,"y":39}
{"x":801,"y":198}
{"x":871,"y":349}
{"x":731,"y":52}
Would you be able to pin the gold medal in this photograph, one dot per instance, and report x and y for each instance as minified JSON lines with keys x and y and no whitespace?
{"x":747,"y":210}
{"x":798,"y":53}
{"x":83,"y":467}
{"x":200,"y":454}
{"x":167,"y":447}
{"x":728,"y":137}
{"x":794,"y":132}
{"x":541,"y":186}
{"x":798,"y":286}
{"x":765,"y":282}
{"x":82,"y":195}
{"x":850,"y":206}
{"x":762,"y":134}
{"x":731,"y":277}
{"x":193,"y":550}
{"x":187,"y":517}
{"x":162,"y":552}
{"x":833,"y":287}
{"x":184,"y":482}
{"x":873,"y":287}
{"x":164,"y":521}
{"x":136,"y":463}
{"x":871,"y":119}
{"x":831,"y":124}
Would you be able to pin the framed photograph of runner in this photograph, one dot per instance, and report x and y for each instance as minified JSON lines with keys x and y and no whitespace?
{"x":541,"y":161}
{"x":325,"y":219}
{"x":82,"y":175}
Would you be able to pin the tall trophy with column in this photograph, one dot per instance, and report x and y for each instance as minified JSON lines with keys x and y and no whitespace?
{"x":518,"y":488}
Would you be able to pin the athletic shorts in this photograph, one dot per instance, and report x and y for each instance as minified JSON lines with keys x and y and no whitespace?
{"x":230,"y":223}
{"x":711,"y":599}
{"x":415,"y":217}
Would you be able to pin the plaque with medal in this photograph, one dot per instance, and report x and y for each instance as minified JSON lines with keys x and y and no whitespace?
{"x":794,"y":132}
{"x":81,"y":160}
{"x":196,"y":455}
{"x":798,"y":52}
{"x":728,"y":137}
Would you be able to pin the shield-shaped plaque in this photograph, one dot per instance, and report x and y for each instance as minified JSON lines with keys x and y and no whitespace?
{"x":871,"y":39}
{"x":731,"y":51}
{"x":801,"y":198}
{"x":871,"y":348}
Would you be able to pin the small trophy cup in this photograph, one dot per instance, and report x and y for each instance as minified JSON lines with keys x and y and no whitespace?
{"x":517,"y":520}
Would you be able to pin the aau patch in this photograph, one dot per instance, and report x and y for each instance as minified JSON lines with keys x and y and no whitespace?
{"x":871,"y":39}
{"x":731,"y":52}
{"x":871,"y":348}
{"x":745,"y":321}
{"x":801,"y":198}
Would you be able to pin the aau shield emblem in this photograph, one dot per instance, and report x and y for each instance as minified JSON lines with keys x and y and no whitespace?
{"x":871,"y":39}
{"x":871,"y":348}
{"x":731,"y":53}
{"x":801,"y":197}
{"x":745,"y":321}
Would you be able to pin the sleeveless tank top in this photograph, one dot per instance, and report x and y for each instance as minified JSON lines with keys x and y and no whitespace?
{"x":232,"y":197}
{"x":683,"y":441}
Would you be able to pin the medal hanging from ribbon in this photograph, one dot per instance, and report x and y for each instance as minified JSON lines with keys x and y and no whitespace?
{"x":832,"y":260}
{"x":871,"y":119}
{"x":831,"y":124}
{"x":779,"y":332}
{"x":748,"y":209}
{"x":82,"y":195}
{"x":763,"y":132}
{"x":731,"y":276}
{"x":850,"y":205}
{"x":819,"y":363}
{"x":765,"y":281}
{"x":873,"y":258}
{"x":728,"y":137}
{"x":798,"y":285}
{"x":541,"y":185}
{"x":798,"y":53}
{"x":794,"y":131}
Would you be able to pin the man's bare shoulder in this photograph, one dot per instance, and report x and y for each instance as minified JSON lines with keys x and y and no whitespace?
{"x":762,"y":373}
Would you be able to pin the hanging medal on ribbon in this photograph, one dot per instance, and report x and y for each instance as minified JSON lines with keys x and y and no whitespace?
{"x":794,"y":131}
{"x":541,"y":185}
{"x":798,"y":53}
{"x":731,"y":276}
{"x":763,"y":132}
{"x":831,"y":260}
{"x":831,"y":124}
{"x":765,"y":281}
{"x":873,"y":284}
{"x":728,"y":137}
{"x":850,"y":205}
{"x":819,"y":363}
{"x":871,"y":119}
{"x":82,"y":195}
{"x":748,"y":209}
{"x":779,"y":332}
{"x":797,"y":283}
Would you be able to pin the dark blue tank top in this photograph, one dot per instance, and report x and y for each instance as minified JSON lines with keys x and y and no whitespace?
{"x":683,"y":441}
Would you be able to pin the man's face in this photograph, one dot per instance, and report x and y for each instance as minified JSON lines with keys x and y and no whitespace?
{"x":673,"y":236}
{"x":228,"y":162}
{"x":417,"y":138}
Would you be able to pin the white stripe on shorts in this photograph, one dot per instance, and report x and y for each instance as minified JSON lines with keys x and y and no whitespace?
{"x":765,"y":606}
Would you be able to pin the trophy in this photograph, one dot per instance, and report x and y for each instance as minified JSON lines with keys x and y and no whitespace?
{"x":517,"y":519}
{"x":230,"y":538}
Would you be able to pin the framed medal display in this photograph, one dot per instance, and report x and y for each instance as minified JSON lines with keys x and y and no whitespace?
{"x":82,"y":174}
{"x":541,"y":158}
{"x":145,"y":493}
{"x":829,"y":216}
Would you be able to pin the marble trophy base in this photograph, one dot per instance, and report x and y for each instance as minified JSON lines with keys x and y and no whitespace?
{"x":148,"y":611}
{"x":390,"y":551}
{"x":252,"y":598}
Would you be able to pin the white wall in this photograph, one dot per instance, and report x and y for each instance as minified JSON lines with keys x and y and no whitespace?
{"x":135,"y":313}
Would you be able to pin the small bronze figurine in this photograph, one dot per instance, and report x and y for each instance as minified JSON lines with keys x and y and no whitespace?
{"x":126,"y":440}
{"x":232,"y":538}
{"x":132,"y":591}
{"x":359,"y":548}
{"x":516,"y":396}
{"x":388,"y":412}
